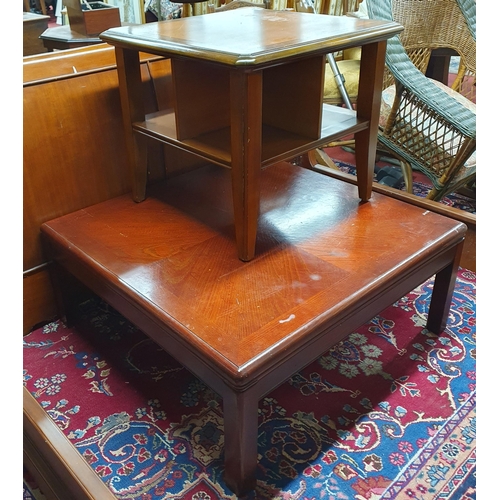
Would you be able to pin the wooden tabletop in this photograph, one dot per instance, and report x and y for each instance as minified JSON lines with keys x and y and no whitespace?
{"x":251,"y":36}
{"x":321,"y":255}
{"x":67,"y":35}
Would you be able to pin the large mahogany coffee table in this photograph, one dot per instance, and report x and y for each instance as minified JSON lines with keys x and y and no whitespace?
{"x":326,"y":264}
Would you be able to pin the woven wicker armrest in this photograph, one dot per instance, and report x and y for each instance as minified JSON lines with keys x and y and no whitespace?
{"x":405,"y":72}
{"x":431,"y":97}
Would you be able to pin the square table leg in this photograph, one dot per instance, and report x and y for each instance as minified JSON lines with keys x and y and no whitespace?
{"x":246,"y":157}
{"x":240,"y":441}
{"x":444,"y":284}
{"x":368,"y":107}
{"x":132,"y":102}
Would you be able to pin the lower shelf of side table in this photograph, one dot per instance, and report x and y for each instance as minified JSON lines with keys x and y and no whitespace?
{"x":277,"y":144}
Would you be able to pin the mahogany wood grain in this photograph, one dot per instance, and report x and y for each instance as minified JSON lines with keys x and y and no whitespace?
{"x":326,"y":264}
{"x":468,"y":258}
{"x":73,"y":147}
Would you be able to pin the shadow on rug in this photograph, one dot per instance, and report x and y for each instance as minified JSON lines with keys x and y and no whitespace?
{"x":389,"y":413}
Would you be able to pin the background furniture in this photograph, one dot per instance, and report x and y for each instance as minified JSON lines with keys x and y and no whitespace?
{"x":247,"y":122}
{"x":63,"y":37}
{"x":38,"y":5}
{"x":33,"y":26}
{"x":452,"y":31}
{"x":428,"y":126}
{"x":347,"y":60}
{"x":161,"y":10}
{"x":92,"y":18}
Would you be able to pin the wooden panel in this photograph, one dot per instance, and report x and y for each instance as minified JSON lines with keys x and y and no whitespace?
{"x":54,"y":462}
{"x":176,"y":160}
{"x":71,"y":154}
{"x":72,"y":63}
{"x":39,"y":304}
{"x":201,"y":97}
{"x":292,"y":102}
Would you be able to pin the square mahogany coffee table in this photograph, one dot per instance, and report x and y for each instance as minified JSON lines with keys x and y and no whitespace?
{"x":325,"y":264}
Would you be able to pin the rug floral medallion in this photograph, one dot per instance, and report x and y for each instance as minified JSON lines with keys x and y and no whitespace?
{"x":387,"y":413}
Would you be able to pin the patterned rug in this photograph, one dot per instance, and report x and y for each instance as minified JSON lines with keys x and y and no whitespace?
{"x":30,"y":488}
{"x":389,"y":413}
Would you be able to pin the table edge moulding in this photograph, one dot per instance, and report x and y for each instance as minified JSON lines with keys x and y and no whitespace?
{"x":248,"y":92}
{"x":326,"y":263}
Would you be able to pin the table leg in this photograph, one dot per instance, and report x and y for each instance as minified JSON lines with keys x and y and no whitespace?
{"x":246,"y":157}
{"x":444,"y":284}
{"x":240,"y":441}
{"x":132,"y":102}
{"x":368,"y":108}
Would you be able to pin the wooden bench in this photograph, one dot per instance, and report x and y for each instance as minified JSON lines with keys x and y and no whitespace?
{"x":80,"y":91}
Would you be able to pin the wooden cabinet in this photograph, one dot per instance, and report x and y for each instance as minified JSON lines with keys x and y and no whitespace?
{"x":248,"y":92}
{"x":33,"y":26}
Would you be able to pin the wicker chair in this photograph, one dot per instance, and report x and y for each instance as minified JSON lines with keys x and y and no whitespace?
{"x":427,"y":125}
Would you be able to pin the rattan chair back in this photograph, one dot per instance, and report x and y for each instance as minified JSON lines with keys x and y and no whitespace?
{"x":440,"y":24}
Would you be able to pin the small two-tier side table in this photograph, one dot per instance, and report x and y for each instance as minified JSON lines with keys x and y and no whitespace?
{"x":248,"y":87}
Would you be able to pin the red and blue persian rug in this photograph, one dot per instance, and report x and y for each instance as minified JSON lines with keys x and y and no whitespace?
{"x":389,"y":413}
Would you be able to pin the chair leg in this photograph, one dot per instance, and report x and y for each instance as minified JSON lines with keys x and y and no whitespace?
{"x":319,"y":156}
{"x":407,"y":175}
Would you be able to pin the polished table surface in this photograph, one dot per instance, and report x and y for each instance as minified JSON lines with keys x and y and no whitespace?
{"x":325,"y":264}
